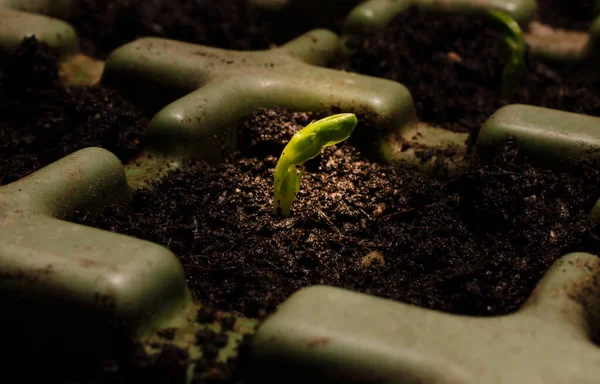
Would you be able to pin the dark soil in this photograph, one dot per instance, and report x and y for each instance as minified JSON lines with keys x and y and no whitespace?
{"x":43,"y":120}
{"x":475,"y":244}
{"x":574,"y":15}
{"x":453,"y":65}
{"x":104,"y":25}
{"x":170,"y":364}
{"x":131,"y":363}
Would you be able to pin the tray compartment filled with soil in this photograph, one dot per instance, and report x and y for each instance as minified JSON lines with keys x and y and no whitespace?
{"x":551,"y":32}
{"x":459,"y":246}
{"x":450,"y":234}
{"x":453,"y":65}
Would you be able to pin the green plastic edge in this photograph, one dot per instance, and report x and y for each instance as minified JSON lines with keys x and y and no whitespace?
{"x":72,"y":280}
{"x":91,"y":285}
{"x":210,"y":89}
{"x":559,"y":45}
{"x":376,"y":14}
{"x":326,"y":334}
{"x":56,"y":8}
{"x":17,"y":25}
{"x":106,"y":309}
{"x":545,"y":135}
{"x":100,"y":276}
{"x":592,"y":46}
{"x":544,"y":42}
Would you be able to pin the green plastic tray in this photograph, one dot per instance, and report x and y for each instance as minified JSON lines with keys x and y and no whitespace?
{"x":90,"y":280}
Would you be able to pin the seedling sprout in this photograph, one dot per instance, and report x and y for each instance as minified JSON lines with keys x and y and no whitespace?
{"x":514,"y":40}
{"x":303,"y":146}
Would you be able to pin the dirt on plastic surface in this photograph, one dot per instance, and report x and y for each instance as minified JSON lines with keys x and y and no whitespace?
{"x":453,"y":66}
{"x":130,"y":361}
{"x":43,"y":120}
{"x":565,"y":14}
{"x":476,"y":244}
{"x":169,"y":363}
{"x":104,"y":25}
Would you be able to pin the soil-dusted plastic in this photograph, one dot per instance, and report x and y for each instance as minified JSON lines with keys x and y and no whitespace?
{"x":544,"y":41}
{"x":67,"y":288}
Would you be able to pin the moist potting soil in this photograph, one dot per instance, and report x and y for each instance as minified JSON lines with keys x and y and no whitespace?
{"x":43,"y":120}
{"x":104,"y":25}
{"x":476,"y":244}
{"x":453,"y":66}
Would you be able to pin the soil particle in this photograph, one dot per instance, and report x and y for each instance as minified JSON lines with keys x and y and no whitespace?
{"x":453,"y":66}
{"x":476,"y":244}
{"x":43,"y":120}
{"x":104,"y":25}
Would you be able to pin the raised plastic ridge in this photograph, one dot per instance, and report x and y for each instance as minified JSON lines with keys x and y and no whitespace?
{"x":16,"y":25}
{"x":545,"y":135}
{"x":87,"y":280}
{"x":210,"y":89}
{"x":56,"y":8}
{"x":325,"y":334}
{"x":377,"y":14}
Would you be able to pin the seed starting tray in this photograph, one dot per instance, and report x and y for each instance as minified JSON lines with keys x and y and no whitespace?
{"x":88,"y":280}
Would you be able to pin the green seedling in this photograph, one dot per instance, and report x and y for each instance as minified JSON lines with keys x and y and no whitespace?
{"x":305,"y":145}
{"x":514,"y":40}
